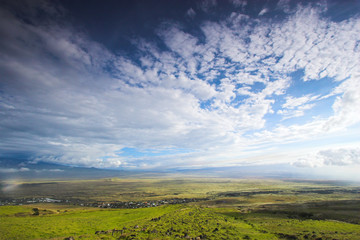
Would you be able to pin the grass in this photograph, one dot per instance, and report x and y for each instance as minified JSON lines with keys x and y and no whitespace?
{"x":75,"y":221}
{"x":167,"y":222}
{"x":236,"y":209}
{"x":283,"y":226}
{"x":156,"y":223}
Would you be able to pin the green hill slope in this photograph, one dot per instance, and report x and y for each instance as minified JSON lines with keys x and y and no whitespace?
{"x":166,"y":222}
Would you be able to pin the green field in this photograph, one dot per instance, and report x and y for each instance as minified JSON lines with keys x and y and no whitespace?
{"x":229,"y":209}
{"x":244,"y":190}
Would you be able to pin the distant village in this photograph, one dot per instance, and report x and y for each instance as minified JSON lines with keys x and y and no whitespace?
{"x":100,"y":204}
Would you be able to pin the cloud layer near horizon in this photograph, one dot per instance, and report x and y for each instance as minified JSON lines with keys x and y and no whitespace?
{"x":244,"y":84}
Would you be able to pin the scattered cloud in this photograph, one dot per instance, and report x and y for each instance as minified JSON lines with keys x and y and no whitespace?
{"x":284,"y":5}
{"x":68,"y":99}
{"x":292,"y":102}
{"x":296,"y":107}
{"x":239,"y":3}
{"x":206,"y":5}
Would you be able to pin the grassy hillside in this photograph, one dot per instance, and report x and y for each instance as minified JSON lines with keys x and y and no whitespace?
{"x":228,"y":209}
{"x":19,"y":222}
{"x":167,"y":222}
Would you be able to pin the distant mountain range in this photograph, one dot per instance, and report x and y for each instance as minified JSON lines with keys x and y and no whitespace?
{"x":23,"y":169}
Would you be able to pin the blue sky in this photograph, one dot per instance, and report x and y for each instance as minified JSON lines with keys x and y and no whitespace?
{"x":181,"y":84}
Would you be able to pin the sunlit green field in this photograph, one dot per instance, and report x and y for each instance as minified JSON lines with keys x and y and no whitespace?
{"x":166,"y":222}
{"x":17,"y":222}
{"x":233,"y":209}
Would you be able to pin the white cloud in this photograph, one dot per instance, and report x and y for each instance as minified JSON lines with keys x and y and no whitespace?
{"x":68,"y":99}
{"x":284,"y":5}
{"x":239,"y":3}
{"x":191,"y":13}
{"x":334,"y":157}
{"x":263,"y":11}
{"x":180,"y":42}
{"x":292,"y":102}
{"x":295,"y":107}
{"x":56,"y":170}
{"x":207,"y":5}
{"x":14,"y":170}
{"x":345,"y":107}
{"x":298,"y":112}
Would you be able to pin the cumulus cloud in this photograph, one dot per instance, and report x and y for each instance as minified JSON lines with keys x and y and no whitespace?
{"x":331,"y":157}
{"x":66,"y":98}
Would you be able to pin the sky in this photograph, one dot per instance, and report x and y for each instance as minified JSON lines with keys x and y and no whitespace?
{"x":150,"y":85}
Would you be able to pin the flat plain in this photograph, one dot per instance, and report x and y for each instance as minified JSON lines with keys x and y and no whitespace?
{"x":175,"y":208}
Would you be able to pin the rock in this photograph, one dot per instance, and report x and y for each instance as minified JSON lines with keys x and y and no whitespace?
{"x":114,"y":231}
{"x":204,"y":236}
{"x":155,"y":219}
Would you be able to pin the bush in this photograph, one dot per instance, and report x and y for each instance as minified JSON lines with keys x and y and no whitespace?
{"x":35,"y":211}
